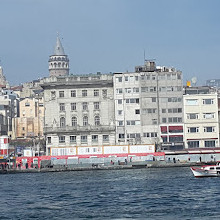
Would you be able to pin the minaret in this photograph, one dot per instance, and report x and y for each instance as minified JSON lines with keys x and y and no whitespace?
{"x":59,"y":62}
{"x":3,"y":81}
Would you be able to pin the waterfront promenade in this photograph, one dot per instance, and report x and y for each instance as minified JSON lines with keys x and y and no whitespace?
{"x":87,"y":167}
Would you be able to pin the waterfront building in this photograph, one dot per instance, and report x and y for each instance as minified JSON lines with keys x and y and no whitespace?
{"x":201,"y":122}
{"x":148,"y":106}
{"x":9,"y":102}
{"x":79,"y":111}
{"x":29,"y":123}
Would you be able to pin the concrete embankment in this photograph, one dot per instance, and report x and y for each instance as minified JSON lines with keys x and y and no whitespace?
{"x":156,"y":164}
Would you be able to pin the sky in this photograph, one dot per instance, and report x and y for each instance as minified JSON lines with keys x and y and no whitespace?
{"x":110,"y":36}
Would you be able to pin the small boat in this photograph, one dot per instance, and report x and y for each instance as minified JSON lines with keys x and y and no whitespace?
{"x":207,"y":171}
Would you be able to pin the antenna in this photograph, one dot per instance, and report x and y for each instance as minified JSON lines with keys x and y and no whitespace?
{"x":144,"y":55}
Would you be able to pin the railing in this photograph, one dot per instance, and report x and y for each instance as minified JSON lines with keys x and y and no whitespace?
{"x":100,"y":128}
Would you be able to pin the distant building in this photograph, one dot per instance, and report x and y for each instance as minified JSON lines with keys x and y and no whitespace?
{"x":59,"y":62}
{"x":201,"y":121}
{"x":79,"y":111}
{"x":213,"y":83}
{"x":30,"y":122}
{"x":8,"y":110}
{"x":148,"y":106}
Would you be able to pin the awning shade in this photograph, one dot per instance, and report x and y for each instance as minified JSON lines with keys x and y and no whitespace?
{"x":163,"y":129}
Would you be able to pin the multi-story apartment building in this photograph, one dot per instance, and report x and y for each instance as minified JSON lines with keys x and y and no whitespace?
{"x":148,"y":106}
{"x":201,"y":117}
{"x":30,"y":122}
{"x":79,"y":110}
{"x":9,"y":102}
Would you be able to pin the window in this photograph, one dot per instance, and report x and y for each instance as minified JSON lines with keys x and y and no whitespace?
{"x":74,"y":121}
{"x":49,"y":140}
{"x":207,"y":101}
{"x":84,"y":139}
{"x":84,"y":93}
{"x":132,"y":100}
{"x":136,"y":78}
{"x":192,"y":116}
{"x":135,"y":90}
{"x":27,"y":104}
{"x":193,"y":144}
{"x":209,"y":143}
{"x":85,"y":121}
{"x":120,"y":123}
{"x":163,"y":110}
{"x":153,"y":89}
{"x":146,"y":134}
{"x":118,"y":79}
{"x":94,"y":138}
{"x":193,"y":130}
{"x":97,"y":120}
{"x":72,"y":139}
{"x":85,"y":105}
{"x":154,"y":99}
{"x":121,"y":136}
{"x":119,"y":101}
{"x":133,"y":122}
{"x":73,"y":93}
{"x":62,"y":122}
{"x":120,"y":112}
{"x":62,"y":107}
{"x":208,"y":115}
{"x":104,"y":93}
{"x":61,"y":94}
{"x":175,"y":138}
{"x":137,"y":111}
{"x":96,"y":92}
{"x":61,"y":139}
{"x":126,"y":78}
{"x":73,"y":106}
{"x":164,"y":120}
{"x":209,"y":129}
{"x":105,"y":138}
{"x":128,"y":90}
{"x":191,"y":101}
{"x":96,"y":105}
{"x":119,"y":91}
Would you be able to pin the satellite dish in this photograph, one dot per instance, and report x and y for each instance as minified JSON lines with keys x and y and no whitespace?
{"x":194,"y":80}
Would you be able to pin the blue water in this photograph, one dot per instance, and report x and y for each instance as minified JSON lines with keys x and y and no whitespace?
{"x":166,"y":193}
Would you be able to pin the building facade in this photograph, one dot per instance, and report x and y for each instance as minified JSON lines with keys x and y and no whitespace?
{"x":79,"y":111}
{"x":201,"y":120}
{"x":149,"y":106}
{"x":30,"y":122}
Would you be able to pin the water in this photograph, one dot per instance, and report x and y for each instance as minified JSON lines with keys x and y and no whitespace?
{"x":166,"y":193}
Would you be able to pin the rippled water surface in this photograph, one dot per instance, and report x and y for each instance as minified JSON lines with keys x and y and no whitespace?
{"x":167,"y":193}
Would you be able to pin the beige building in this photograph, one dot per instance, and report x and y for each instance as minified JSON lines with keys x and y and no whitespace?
{"x":201,"y":128}
{"x":31,"y":120}
{"x":79,"y":111}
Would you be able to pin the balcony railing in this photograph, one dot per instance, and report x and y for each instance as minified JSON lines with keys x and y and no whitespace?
{"x":100,"y":128}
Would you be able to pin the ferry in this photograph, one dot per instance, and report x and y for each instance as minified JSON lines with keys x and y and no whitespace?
{"x":207,"y":171}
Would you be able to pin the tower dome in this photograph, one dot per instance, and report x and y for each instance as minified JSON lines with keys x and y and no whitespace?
{"x":58,"y":62}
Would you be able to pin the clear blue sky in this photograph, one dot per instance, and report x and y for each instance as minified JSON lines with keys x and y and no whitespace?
{"x":110,"y":36}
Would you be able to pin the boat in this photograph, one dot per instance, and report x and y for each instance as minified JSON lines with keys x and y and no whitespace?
{"x":207,"y":170}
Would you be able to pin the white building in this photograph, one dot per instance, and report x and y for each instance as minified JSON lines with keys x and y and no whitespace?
{"x":200,"y":118}
{"x":148,"y":106}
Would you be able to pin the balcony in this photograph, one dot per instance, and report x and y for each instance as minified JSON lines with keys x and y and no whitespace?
{"x":88,"y":128}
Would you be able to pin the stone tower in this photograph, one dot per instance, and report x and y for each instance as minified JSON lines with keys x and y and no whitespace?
{"x":59,"y":62}
{"x":3,"y":81}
